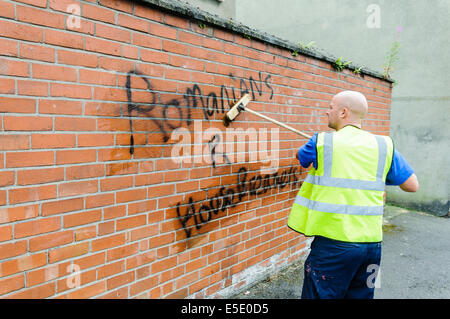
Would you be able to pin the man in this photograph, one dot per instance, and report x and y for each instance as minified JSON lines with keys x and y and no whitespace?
{"x":341,"y":201}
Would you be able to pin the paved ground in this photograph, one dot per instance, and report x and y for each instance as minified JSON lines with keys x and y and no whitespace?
{"x":415,"y":262}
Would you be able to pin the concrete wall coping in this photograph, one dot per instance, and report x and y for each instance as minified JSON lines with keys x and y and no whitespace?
{"x":179,"y":8}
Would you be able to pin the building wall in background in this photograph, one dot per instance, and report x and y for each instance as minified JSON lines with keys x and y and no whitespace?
{"x":118,"y":178}
{"x":363,"y":32}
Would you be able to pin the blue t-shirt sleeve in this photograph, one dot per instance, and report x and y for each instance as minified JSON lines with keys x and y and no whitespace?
{"x":400,"y":170}
{"x":307,"y":153}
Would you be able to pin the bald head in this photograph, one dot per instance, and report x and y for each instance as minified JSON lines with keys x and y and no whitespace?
{"x":354,"y":101}
{"x":346,"y":107}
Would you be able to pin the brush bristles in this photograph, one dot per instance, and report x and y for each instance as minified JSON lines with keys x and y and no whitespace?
{"x":235,"y":109}
{"x":226,"y":121}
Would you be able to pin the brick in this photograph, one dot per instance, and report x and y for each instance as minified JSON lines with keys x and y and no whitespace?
{"x":31,"y":194}
{"x":40,"y":292}
{"x":143,"y":285}
{"x":99,"y":200}
{"x":75,"y":156}
{"x":147,"y":41}
{"x":121,"y":168}
{"x":13,"y":249}
{"x":103,"y":46}
{"x":140,"y":207}
{"x":17,"y":105}
{"x":50,"y":241}
{"x":104,"y":109}
{"x":29,"y":123}
{"x":131,"y":195}
{"x":130,"y":52}
{"x":12,"y":284}
{"x":98,"y":13}
{"x":144,"y":232}
{"x":5,"y":231}
{"x":13,"y":214}
{"x":163,"y":264}
{"x":85,"y":217}
{"x":21,"y":31}
{"x":77,"y":188}
{"x":33,"y":88}
{"x":148,"y":12}
{"x":48,"y":273}
{"x":120,"y":280}
{"x":50,"y":72}
{"x":89,"y":140}
{"x":85,"y":277}
{"x":14,"y":68}
{"x":112,"y":33}
{"x":27,"y":159}
{"x":40,"y":17}
{"x":85,"y":171}
{"x":70,"y":90}
{"x":37,"y":52}
{"x":132,"y":22}
{"x":3,"y":197}
{"x":175,"y":47}
{"x":60,"y":107}
{"x":111,"y":94}
{"x":97,"y":77}
{"x":36,"y":227}
{"x":14,"y":142}
{"x":66,"y":252}
{"x":108,"y":242}
{"x":117,"y":5}
{"x":36,"y":3}
{"x":6,"y":178}
{"x":89,"y":291}
{"x":85,"y":232}
{"x":64,"y":39}
{"x":106,"y":228}
{"x":115,"y":183}
{"x":77,"y":58}
{"x":131,"y":222}
{"x":114,"y":212}
{"x":62,"y":206}
{"x":121,"y":252}
{"x":24,"y":263}
{"x":51,"y":140}
{"x":74,"y":124}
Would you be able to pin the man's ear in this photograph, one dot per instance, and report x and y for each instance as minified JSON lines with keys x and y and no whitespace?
{"x":343,"y":112}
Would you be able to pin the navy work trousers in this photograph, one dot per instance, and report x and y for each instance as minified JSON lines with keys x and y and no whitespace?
{"x":338,"y":270}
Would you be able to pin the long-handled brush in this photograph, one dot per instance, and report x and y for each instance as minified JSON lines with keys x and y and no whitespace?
{"x":241,"y":105}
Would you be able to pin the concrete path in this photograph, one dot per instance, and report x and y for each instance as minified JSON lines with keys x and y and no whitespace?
{"x":415,"y":262}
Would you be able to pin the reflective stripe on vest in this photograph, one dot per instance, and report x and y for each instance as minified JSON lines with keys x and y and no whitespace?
{"x":339,"y":208}
{"x":342,"y":198}
{"x":327,"y":180}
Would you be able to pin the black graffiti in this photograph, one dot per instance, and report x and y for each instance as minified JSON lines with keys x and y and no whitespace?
{"x":193,"y":98}
{"x":228,"y":197}
{"x":139,"y":108}
{"x":213,"y":142}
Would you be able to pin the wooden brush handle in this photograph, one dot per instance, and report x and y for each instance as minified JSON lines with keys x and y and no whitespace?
{"x":278,"y":123}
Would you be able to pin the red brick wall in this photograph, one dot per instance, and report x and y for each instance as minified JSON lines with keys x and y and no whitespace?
{"x":88,"y":211}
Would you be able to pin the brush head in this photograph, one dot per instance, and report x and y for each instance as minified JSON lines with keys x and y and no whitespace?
{"x":235,"y":109}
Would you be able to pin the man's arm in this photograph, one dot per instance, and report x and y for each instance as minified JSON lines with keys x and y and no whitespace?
{"x":307,"y":153}
{"x":401,"y":174}
{"x":411,"y":184}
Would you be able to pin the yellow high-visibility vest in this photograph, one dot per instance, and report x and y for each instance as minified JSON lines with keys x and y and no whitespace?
{"x":343,"y":198}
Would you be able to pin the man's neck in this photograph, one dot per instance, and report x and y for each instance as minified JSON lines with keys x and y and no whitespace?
{"x":357,"y":125}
